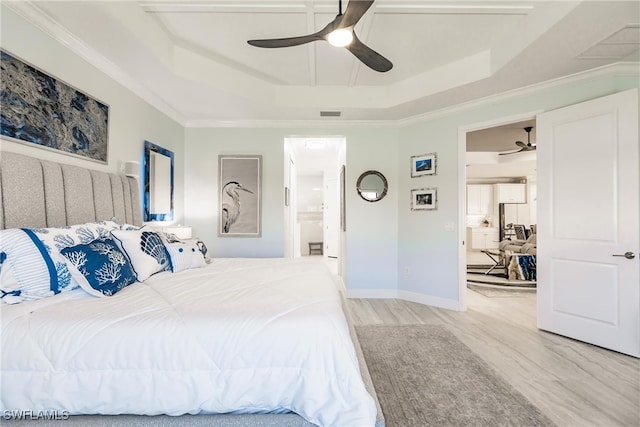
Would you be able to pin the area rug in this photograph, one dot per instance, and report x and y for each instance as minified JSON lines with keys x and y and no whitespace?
{"x":501,"y":291}
{"x":497,"y":279}
{"x":425,"y":376}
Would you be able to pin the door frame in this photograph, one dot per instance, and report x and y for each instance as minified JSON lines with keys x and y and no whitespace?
{"x":462,"y":192}
{"x":291,"y":181}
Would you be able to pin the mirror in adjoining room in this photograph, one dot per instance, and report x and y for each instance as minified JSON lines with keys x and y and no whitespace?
{"x":158,"y":183}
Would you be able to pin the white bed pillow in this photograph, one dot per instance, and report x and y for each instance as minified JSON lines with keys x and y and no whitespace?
{"x":29,"y":271}
{"x":184,"y":256}
{"x":100,"y":267}
{"x":63,"y":237}
{"x":145,"y":249}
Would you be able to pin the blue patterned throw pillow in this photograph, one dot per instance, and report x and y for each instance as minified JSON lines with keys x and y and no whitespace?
{"x":146,"y":251}
{"x":99,"y":267}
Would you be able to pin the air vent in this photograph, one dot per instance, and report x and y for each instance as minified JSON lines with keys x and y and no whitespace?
{"x":330,"y":113}
{"x":618,"y":45}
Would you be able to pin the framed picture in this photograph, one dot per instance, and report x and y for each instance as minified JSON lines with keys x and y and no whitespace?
{"x":42,"y":111}
{"x":424,"y":164}
{"x":520,"y":230}
{"x":240,"y":196}
{"x":157,"y":201}
{"x":424,"y":199}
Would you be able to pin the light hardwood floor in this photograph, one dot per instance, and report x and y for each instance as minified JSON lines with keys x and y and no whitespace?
{"x":574,"y":383}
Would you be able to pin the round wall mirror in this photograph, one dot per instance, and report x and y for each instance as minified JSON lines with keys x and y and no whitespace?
{"x":372,"y":186}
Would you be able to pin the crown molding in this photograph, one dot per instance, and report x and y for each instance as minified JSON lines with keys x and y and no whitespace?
{"x":41,"y":20}
{"x":275,"y":124}
{"x":45,"y":23}
{"x":619,"y":69}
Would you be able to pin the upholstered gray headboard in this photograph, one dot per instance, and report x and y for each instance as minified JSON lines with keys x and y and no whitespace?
{"x":41,"y":193}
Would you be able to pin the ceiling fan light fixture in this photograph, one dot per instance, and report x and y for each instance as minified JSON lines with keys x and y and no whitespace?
{"x":341,"y":37}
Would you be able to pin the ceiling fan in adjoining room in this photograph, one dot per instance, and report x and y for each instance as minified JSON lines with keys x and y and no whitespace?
{"x":523,"y":147}
{"x":339,"y":33}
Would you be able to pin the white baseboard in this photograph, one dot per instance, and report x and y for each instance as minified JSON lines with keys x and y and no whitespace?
{"x":449,"y":304}
{"x":372,"y":293}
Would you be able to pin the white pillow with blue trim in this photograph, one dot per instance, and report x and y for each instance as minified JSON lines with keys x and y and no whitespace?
{"x":28,"y":270}
{"x":145,"y":249}
{"x":184,"y":256}
{"x":100,"y":267}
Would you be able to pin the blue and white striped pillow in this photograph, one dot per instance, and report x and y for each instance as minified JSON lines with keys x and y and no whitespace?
{"x":28,"y":270}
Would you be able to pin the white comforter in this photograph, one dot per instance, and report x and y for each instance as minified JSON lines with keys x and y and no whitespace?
{"x":236,"y":336}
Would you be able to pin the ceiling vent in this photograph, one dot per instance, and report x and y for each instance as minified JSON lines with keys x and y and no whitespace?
{"x":618,"y":45}
{"x":330,"y":113}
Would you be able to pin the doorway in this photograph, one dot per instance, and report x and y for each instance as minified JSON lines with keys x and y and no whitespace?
{"x":312,"y":197}
{"x":493,"y":163}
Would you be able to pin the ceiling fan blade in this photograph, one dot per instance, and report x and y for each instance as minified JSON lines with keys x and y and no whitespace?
{"x":355,"y":10}
{"x":285,"y":42}
{"x":520,"y":144}
{"x":511,"y":152}
{"x":368,"y":56}
{"x":294,"y":41}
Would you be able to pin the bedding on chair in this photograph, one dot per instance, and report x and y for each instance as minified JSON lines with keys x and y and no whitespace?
{"x":235,"y":336}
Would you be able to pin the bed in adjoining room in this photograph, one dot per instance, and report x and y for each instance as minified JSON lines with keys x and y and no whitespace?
{"x":102,"y":317}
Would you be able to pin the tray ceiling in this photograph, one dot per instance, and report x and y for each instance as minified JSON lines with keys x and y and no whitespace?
{"x":194,"y":57}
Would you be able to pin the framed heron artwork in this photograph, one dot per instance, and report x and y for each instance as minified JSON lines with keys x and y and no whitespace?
{"x":240,"y":196}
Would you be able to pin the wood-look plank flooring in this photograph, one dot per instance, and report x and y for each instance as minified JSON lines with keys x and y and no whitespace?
{"x":573,"y":383}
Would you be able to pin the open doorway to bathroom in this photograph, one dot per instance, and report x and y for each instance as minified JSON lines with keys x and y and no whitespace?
{"x":312,"y":198}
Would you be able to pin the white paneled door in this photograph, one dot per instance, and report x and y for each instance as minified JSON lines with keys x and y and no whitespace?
{"x":588,"y":222}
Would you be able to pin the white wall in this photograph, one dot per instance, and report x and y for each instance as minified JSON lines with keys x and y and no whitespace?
{"x":202,"y":148}
{"x":371,"y":237}
{"x":426,"y":248}
{"x":131,"y":119}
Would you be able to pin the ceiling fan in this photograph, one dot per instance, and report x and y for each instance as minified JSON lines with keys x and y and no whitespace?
{"x":523,"y":147}
{"x":339,"y":33}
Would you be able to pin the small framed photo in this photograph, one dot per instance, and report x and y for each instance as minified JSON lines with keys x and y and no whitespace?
{"x":424,"y":199}
{"x":424,"y":164}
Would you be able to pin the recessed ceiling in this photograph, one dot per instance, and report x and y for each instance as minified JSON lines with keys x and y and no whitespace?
{"x":193,"y":56}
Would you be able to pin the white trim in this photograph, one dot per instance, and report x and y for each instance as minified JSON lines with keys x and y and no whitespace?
{"x":41,"y":20}
{"x":372,"y":293}
{"x":321,"y":123}
{"x":617,"y":69}
{"x":48,"y":25}
{"x":429,"y":300}
{"x":462,"y":187}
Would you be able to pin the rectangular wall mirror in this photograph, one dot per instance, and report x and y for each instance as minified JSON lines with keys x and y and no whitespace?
{"x":158,"y":183}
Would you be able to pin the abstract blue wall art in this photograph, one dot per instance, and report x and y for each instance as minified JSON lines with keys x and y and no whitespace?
{"x":38,"y":109}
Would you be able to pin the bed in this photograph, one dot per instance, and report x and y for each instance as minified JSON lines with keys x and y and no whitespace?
{"x":261,"y":341}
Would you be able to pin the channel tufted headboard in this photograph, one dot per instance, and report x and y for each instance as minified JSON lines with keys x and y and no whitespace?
{"x":40,"y":193}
